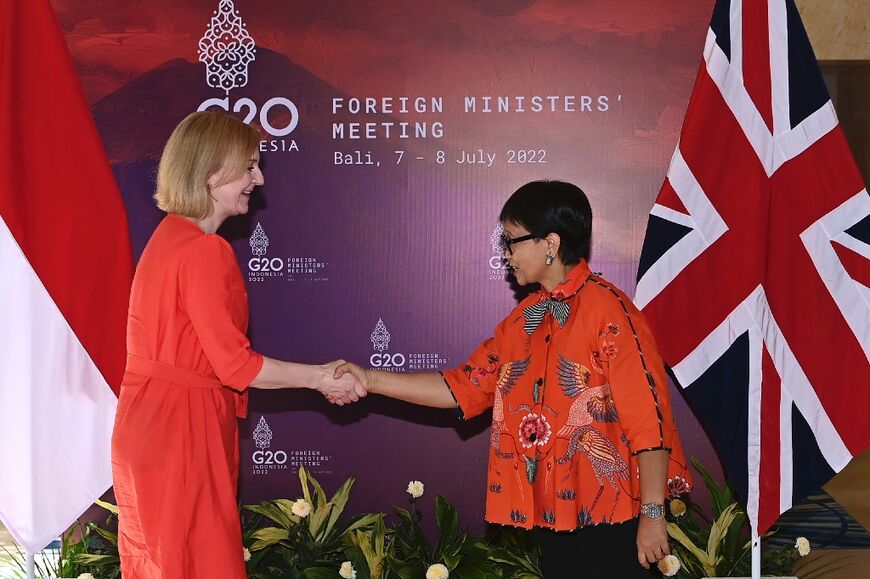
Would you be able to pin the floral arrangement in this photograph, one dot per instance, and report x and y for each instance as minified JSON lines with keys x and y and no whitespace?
{"x":720,"y":546}
{"x":310,"y":538}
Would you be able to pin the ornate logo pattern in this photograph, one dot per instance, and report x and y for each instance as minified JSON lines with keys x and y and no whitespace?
{"x":380,"y":336}
{"x":226,"y":49}
{"x":262,"y":434}
{"x":258,"y":241}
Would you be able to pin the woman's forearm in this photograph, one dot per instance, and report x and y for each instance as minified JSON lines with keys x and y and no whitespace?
{"x":279,"y":374}
{"x":653,"y":471}
{"x":425,"y":389}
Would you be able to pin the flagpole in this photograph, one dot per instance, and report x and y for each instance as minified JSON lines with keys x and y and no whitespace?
{"x":29,"y":564}
{"x":756,"y":555}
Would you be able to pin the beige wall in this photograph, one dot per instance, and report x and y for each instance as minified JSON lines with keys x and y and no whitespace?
{"x":840,"y":34}
{"x":838,"y":29}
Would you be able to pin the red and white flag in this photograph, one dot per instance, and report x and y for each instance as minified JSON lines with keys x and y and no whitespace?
{"x":65,"y":273}
{"x":755,"y":270}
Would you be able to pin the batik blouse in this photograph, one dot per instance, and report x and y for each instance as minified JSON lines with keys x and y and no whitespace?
{"x":577,"y":389}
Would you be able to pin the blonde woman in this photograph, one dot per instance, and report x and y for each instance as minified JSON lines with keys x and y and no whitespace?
{"x":175,"y":451}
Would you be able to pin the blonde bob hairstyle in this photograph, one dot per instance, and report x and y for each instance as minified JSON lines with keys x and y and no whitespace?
{"x":204,"y":146}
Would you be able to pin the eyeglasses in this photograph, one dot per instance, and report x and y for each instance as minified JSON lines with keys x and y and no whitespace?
{"x":506,"y":242}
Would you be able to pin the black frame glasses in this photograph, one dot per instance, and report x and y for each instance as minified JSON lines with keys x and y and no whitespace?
{"x":506,"y":242}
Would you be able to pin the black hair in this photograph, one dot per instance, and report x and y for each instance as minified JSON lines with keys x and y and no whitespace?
{"x":545,"y":207}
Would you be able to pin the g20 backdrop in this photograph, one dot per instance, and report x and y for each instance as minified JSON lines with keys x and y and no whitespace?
{"x":394,"y":131}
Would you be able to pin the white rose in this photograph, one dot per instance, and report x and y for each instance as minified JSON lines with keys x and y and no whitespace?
{"x":415,"y":489}
{"x":436,"y":571}
{"x":347,"y":571}
{"x":246,"y":554}
{"x":86,"y":576}
{"x":669,"y":566}
{"x":803,"y":546}
{"x":301,"y":508}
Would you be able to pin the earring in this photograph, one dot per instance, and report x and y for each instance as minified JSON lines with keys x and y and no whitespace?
{"x":549,"y":259}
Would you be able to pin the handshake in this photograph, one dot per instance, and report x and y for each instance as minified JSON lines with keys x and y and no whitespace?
{"x":342,"y":382}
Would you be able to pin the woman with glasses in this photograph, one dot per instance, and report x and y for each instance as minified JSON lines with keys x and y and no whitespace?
{"x":583,"y":447}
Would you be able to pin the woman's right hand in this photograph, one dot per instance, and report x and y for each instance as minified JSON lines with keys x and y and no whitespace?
{"x":359,"y":373}
{"x":341,"y":387}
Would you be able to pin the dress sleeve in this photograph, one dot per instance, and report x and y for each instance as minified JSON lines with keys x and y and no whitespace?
{"x":628,"y":356}
{"x":473,"y":384}
{"x":213,"y":295}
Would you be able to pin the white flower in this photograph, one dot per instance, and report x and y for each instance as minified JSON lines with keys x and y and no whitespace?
{"x":415,"y":489}
{"x":669,"y":566}
{"x":347,"y":571}
{"x":301,"y":508}
{"x":246,"y":554}
{"x":803,"y":546}
{"x":86,"y":576}
{"x":437,"y":571}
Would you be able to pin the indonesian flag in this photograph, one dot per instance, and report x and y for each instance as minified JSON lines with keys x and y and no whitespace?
{"x":65,"y":273}
{"x":755,"y":270}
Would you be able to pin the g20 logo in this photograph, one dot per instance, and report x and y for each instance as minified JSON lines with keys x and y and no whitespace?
{"x":265,"y":264}
{"x":387,"y":360}
{"x":282,"y":104}
{"x":497,"y":262}
{"x":269,"y":457}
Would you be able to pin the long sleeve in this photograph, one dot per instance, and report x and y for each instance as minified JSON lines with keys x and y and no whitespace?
{"x":628,"y":355}
{"x":214,"y":296}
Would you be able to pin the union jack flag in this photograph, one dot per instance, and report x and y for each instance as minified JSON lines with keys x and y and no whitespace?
{"x":755,"y":269}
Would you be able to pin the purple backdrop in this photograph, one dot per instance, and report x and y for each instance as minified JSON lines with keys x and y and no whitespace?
{"x":592,"y":92}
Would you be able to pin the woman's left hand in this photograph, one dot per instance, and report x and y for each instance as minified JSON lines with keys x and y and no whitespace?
{"x":652,"y":541}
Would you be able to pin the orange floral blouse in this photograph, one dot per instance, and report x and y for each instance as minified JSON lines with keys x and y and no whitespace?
{"x":577,"y":389}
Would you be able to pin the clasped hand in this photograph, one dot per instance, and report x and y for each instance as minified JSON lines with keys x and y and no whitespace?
{"x":341,"y":387}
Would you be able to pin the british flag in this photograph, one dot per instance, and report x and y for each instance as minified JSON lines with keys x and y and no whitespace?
{"x":755,"y":270}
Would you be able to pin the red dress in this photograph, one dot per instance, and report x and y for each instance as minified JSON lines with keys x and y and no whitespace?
{"x":175,"y":452}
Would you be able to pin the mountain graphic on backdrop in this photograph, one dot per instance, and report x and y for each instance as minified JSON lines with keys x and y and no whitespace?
{"x":136,"y":119}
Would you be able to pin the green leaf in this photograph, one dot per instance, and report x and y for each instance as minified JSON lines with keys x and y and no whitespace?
{"x":303,"y":479}
{"x":702,"y":556}
{"x":272,"y":510}
{"x":268,"y":536}
{"x":447,"y":520}
{"x":108,"y":506}
{"x":718,"y":530}
{"x":339,"y":501}
{"x":362,"y":521}
{"x":286,"y":508}
{"x":720,"y":495}
{"x":319,"y":498}
{"x":316,"y":520}
{"x":731,"y":548}
{"x":404,"y":569}
{"x":321,"y":573}
{"x":404,"y":515}
{"x":379,"y":537}
{"x":107,"y":535}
